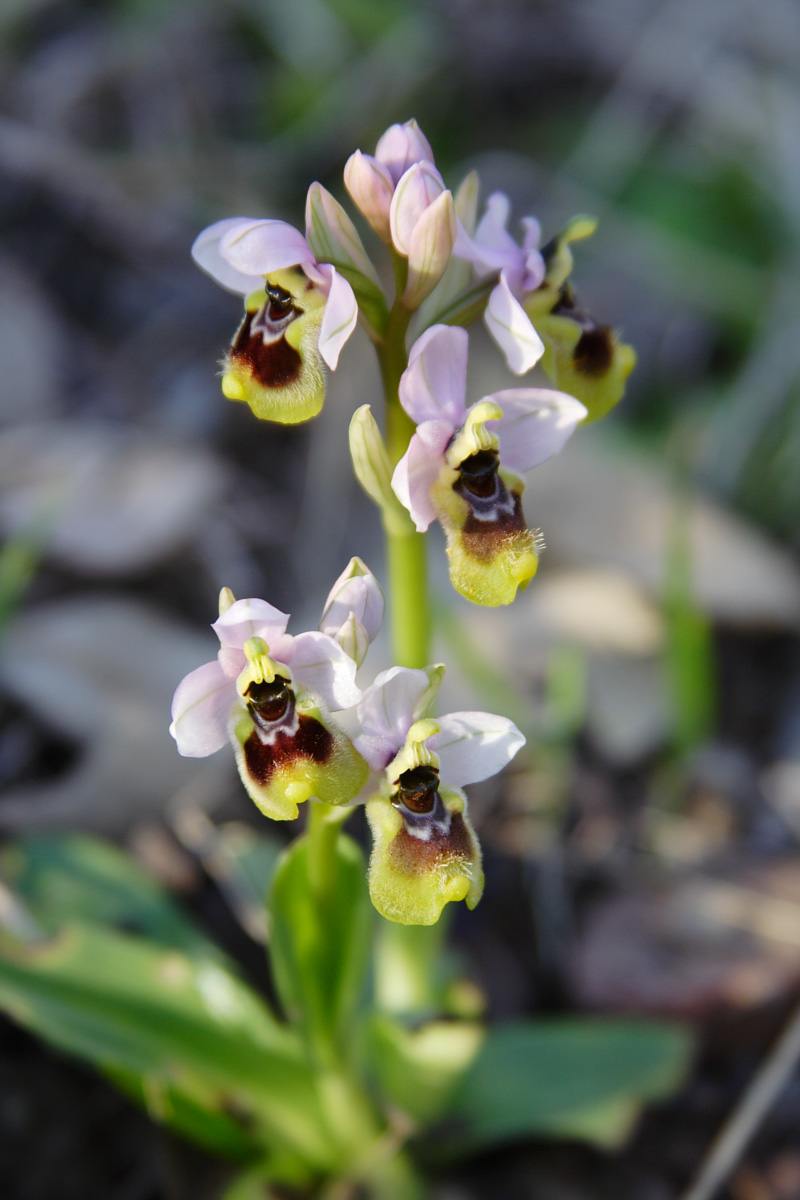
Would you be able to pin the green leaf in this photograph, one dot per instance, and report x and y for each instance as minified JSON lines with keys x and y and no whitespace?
{"x":186,"y":1029}
{"x":571,"y":1078}
{"x":320,"y":938}
{"x":69,"y":877}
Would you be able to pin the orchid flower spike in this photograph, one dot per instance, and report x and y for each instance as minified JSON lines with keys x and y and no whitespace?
{"x":298,"y":313}
{"x":425,"y":853}
{"x":462,"y":464}
{"x":519,"y":268}
{"x":404,"y":198}
{"x":271,"y":695}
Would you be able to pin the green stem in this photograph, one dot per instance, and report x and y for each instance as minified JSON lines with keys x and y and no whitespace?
{"x":406,"y":957}
{"x":323,"y":827}
{"x":409,"y":606}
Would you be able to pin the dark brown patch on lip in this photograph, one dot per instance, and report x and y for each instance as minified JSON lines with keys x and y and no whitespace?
{"x":594,"y":352}
{"x":412,"y":856}
{"x":311,"y":741}
{"x":484,"y":539}
{"x":274,"y":364}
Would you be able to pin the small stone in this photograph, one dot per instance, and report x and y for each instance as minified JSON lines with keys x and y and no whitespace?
{"x":101,"y":673}
{"x":109,"y":499}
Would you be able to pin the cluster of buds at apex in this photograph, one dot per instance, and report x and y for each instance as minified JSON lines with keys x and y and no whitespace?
{"x":403,"y":197}
{"x":581,"y":355}
{"x":371,"y":179}
{"x":298,"y":314}
{"x":271,"y":695}
{"x":463,"y":466}
{"x":425,"y":853}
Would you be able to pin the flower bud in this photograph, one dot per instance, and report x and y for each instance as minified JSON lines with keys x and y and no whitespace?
{"x":333,"y":237}
{"x":373,"y":469}
{"x":370,"y":186}
{"x":353,"y":612}
{"x":430,"y":249}
{"x":415,"y":192}
{"x":401,"y":146}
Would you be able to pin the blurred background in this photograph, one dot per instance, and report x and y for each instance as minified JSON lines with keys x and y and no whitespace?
{"x":642,"y":858}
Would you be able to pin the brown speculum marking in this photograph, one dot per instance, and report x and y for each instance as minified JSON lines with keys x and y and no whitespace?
{"x":310,"y":741}
{"x":495,"y":513}
{"x":260,"y":343}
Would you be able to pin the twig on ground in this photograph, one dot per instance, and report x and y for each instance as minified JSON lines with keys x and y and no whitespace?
{"x":735,"y":1135}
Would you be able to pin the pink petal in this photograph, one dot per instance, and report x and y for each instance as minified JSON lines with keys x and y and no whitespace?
{"x":201,"y":709}
{"x":250,"y":618}
{"x":260,"y":247}
{"x":206,"y":253}
{"x":371,"y":188}
{"x":321,"y":666}
{"x":418,"y":470}
{"x":511,"y":328}
{"x":433,"y":385}
{"x":340,"y":316}
{"x":536,"y":424}
{"x":472,"y":746}
{"x":400,"y":147}
{"x":387,"y":711}
{"x":416,"y":190}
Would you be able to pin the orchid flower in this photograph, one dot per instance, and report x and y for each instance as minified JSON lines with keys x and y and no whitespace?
{"x":298,"y":313}
{"x":582,"y":355}
{"x":462,"y":464}
{"x":425,"y":853}
{"x":404,"y":198}
{"x":271,"y":694}
{"x":519,"y":268}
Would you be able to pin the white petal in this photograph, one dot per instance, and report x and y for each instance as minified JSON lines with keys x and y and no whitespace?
{"x":206,"y":253}
{"x":250,"y":618}
{"x":387,"y":711}
{"x":258,"y":247}
{"x":201,"y":709}
{"x":418,"y":470}
{"x":434,"y":384}
{"x":472,"y":746}
{"x":340,"y":316}
{"x":511,"y":328}
{"x":320,"y":665}
{"x":536,"y":424}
